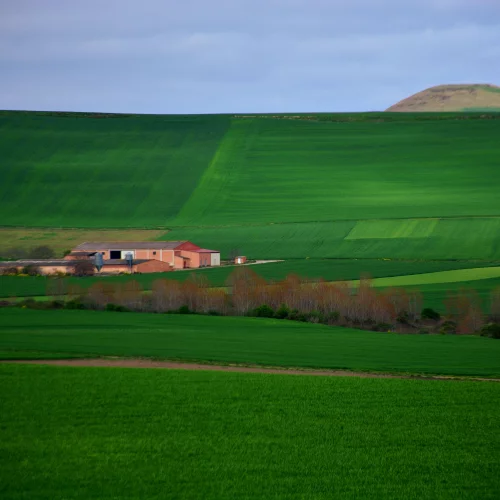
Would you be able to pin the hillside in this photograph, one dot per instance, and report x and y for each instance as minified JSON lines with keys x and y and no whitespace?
{"x":380,"y":185}
{"x":452,"y":98}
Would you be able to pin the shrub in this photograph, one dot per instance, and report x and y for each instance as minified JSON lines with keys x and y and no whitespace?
{"x":382,"y":327}
{"x":10,"y":271}
{"x":264,"y":311}
{"x":491,"y":330}
{"x":213,"y":312}
{"x":448,"y":327}
{"x":282,"y":312}
{"x":403,"y":318}
{"x":295,"y":315}
{"x":184,"y":310}
{"x":31,"y":270}
{"x":16,"y":253}
{"x":116,"y":308}
{"x":27,"y":303}
{"x":41,"y":252}
{"x":74,"y":304}
{"x":315,"y":317}
{"x":55,"y":304}
{"x":429,"y":313}
{"x":84,"y":268}
{"x":332,"y":318}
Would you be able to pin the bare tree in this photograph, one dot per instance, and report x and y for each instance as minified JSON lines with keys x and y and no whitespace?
{"x":41,"y":252}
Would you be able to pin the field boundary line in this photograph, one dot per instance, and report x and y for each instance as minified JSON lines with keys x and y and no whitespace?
{"x":171,"y":227}
{"x":235,"y":368}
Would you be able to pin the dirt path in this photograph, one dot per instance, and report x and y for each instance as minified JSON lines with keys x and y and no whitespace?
{"x":145,"y":363}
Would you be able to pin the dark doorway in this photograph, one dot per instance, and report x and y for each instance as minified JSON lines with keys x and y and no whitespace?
{"x":115,"y":254}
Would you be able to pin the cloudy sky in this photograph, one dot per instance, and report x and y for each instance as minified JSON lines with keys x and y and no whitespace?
{"x":218,"y":56}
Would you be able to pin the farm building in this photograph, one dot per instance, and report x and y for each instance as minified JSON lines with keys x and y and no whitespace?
{"x":178,"y":254}
{"x":145,"y":257}
{"x":67,"y":266}
{"x":240,"y":260}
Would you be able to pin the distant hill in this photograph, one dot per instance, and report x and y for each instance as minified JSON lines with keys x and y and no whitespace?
{"x":477,"y":97}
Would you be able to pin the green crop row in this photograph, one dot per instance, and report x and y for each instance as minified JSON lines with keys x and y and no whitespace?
{"x":80,"y":433}
{"x":467,"y":238}
{"x":151,"y":171}
{"x":244,"y":340}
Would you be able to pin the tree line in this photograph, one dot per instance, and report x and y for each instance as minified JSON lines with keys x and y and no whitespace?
{"x":294,"y":298}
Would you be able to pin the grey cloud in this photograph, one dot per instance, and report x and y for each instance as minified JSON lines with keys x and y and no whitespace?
{"x":237,"y":56}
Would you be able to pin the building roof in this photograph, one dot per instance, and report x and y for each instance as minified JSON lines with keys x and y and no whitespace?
{"x":128,"y":245}
{"x":205,"y":250}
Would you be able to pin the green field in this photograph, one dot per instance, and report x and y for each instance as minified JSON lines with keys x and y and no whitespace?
{"x":407,"y":272}
{"x":244,"y":340}
{"x":61,"y":240}
{"x":319,"y":171}
{"x":80,"y":433}
{"x":435,"y":294}
{"x":456,"y":276}
{"x":123,"y":171}
{"x":411,"y":199}
{"x":460,"y":238}
{"x":14,"y":355}
{"x":232,"y":181}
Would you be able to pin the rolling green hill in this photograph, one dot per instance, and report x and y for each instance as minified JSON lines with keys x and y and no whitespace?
{"x":85,"y":171}
{"x":381,"y":185}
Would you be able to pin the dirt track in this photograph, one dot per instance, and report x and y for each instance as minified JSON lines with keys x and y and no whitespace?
{"x":145,"y":363}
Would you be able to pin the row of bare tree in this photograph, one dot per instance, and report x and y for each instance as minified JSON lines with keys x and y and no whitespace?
{"x":246,"y":291}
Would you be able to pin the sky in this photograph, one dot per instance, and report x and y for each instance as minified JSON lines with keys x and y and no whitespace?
{"x":240,"y":56}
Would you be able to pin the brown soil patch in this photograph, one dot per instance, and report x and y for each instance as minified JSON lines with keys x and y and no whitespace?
{"x":146,"y":363}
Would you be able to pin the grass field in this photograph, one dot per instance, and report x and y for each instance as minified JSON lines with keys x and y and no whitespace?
{"x":467,"y":238}
{"x":118,"y":172}
{"x":67,"y":239}
{"x":229,"y":181}
{"x":80,"y":433}
{"x":117,"y":433}
{"x":330,"y":270}
{"x":244,"y":340}
{"x":313,"y":171}
{"x":13,"y":355}
{"x":338,"y":193}
{"x":435,"y":294}
{"x":456,"y":276}
{"x":305,"y":170}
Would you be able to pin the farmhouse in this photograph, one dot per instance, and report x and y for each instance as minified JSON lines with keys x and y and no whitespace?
{"x":178,"y":254}
{"x":127,"y":257}
{"x":67,"y":266}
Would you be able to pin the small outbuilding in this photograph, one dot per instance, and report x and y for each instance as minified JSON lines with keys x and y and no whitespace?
{"x":240,"y":260}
